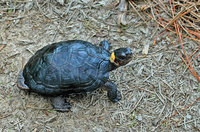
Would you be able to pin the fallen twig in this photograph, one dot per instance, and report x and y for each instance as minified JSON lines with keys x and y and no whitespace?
{"x":2,"y":46}
{"x":184,"y":23}
{"x":198,"y":99}
{"x":5,"y":116}
{"x":132,"y":5}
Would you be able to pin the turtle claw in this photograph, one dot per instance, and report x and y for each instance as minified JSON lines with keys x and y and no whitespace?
{"x":60,"y":105}
{"x":113,"y":94}
{"x":117,"y":98}
{"x":64,"y":108}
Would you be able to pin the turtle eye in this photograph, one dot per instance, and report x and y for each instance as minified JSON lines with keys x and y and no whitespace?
{"x":122,"y":56}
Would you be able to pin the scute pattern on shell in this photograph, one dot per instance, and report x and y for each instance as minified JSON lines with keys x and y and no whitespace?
{"x":67,"y":67}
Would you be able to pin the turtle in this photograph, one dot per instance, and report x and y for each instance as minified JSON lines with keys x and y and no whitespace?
{"x":72,"y":67}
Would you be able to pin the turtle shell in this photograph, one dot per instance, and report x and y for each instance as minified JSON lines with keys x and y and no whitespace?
{"x":67,"y":67}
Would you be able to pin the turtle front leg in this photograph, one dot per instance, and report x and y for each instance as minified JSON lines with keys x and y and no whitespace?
{"x":105,"y":44}
{"x":113,"y":94}
{"x":59,"y":104}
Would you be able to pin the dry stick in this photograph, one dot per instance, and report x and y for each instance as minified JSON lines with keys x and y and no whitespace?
{"x":180,"y":14}
{"x":193,"y":72}
{"x":41,"y":10}
{"x":197,"y":40}
{"x":158,"y":24}
{"x":173,"y":13}
{"x":194,"y":52}
{"x":5,"y":116}
{"x":189,"y":10}
{"x":131,"y":3}
{"x":198,"y":99}
{"x":144,"y":90}
{"x":189,"y":121}
{"x":158,"y":36}
{"x":121,"y":15}
{"x":161,"y":25}
{"x":163,"y":7}
{"x":197,"y":34}
{"x":190,"y":65}
{"x":154,"y":20}
{"x":175,"y":18}
{"x":180,"y":23}
{"x":179,"y":34}
{"x":11,"y":19}
{"x":188,"y":59}
{"x":171,"y":8}
{"x":113,"y":5}
{"x":191,"y":24}
{"x":191,"y":56}
{"x":137,"y":103}
{"x":196,"y":57}
{"x":151,"y":9}
{"x":2,"y":46}
{"x":37,"y":108}
{"x":195,"y":15}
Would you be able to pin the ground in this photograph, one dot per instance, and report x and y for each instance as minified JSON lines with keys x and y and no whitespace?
{"x":154,"y":85}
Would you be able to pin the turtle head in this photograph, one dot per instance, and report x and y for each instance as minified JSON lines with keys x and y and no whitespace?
{"x":121,"y":56}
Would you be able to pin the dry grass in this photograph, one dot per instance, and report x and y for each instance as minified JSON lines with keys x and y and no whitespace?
{"x":180,"y":18}
{"x":154,"y":86}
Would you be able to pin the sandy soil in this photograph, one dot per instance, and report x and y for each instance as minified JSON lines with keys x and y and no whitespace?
{"x":153,"y":86}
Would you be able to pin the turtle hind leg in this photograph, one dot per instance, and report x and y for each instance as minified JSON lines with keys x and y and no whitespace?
{"x":105,"y":44}
{"x":59,"y":104}
{"x":113,"y":94}
{"x":20,"y":81}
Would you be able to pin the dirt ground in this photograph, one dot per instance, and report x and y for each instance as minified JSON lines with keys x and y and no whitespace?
{"x":153,"y":86}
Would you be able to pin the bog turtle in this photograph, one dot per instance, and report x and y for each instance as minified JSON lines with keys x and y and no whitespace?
{"x":72,"y":67}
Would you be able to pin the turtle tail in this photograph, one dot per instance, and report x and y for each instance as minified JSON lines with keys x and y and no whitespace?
{"x":20,"y":80}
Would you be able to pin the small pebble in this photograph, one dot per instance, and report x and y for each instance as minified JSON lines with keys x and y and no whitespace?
{"x":130,"y":41}
{"x":6,"y":71}
{"x":133,"y":99}
{"x":29,"y":5}
{"x":155,"y":122}
{"x":12,"y":83}
{"x":188,"y":116}
{"x":123,"y":38}
{"x":144,"y":30}
{"x":61,"y":2}
{"x":139,"y":117}
{"x":115,"y":38}
{"x":103,"y":3}
{"x":145,"y":49}
{"x":86,"y":1}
